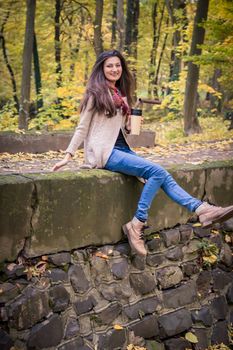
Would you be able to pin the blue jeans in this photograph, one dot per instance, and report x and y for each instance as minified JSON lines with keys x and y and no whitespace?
{"x":124,"y":160}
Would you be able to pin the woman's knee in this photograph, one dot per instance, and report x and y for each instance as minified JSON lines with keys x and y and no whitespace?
{"x":158,"y":171}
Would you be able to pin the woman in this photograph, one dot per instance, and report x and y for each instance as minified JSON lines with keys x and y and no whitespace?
{"x":104,"y":122}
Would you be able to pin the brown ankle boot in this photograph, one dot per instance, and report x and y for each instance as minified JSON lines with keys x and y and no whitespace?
{"x":210,"y":214}
{"x":134,"y":231}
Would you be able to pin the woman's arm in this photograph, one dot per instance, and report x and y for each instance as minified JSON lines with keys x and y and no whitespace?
{"x":79,"y":135}
{"x":81,"y":130}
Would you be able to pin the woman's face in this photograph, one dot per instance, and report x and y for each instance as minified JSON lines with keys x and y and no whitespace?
{"x":112,"y":69}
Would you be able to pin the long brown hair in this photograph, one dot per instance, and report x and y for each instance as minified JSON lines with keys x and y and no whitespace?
{"x":98,"y":89}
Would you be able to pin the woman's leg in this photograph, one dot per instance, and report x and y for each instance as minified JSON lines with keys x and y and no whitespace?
{"x":127,"y":162}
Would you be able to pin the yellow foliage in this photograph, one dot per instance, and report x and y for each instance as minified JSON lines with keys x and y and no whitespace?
{"x":206,"y":88}
{"x":210,"y":259}
{"x":64,"y":124}
{"x":117,"y":327}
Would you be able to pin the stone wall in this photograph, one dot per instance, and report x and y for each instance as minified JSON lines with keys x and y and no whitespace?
{"x":105,"y":298}
{"x":59,"y":291}
{"x":30,"y":142}
{"x":46,"y":213}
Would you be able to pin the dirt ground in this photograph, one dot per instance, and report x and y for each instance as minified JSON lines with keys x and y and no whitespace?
{"x":174,"y":154}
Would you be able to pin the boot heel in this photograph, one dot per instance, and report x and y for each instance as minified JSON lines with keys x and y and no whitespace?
{"x":133,"y":230}
{"x":124,"y":230}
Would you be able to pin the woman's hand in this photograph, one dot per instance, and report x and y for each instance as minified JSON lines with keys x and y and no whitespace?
{"x":62,"y":162}
{"x":128,"y":124}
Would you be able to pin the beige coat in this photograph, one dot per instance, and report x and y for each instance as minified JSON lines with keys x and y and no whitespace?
{"x":99,"y":134}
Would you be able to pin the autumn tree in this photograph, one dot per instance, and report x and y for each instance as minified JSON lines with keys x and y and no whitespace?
{"x":217,"y":58}
{"x":177,"y":13}
{"x":27,"y":65}
{"x":191,"y":123}
{"x":156,"y":25}
{"x":6,"y":59}
{"x":156,"y":78}
{"x":57,"y":41}
{"x":131,"y":33}
{"x":74,"y":15}
{"x":114,"y":22}
{"x":98,"y":40}
{"x":38,"y":83}
{"x":120,"y":24}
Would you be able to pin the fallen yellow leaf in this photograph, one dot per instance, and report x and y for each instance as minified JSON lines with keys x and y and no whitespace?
{"x":117,"y":327}
{"x":191,"y":337}
{"x":210,"y":259}
{"x":197,"y":224}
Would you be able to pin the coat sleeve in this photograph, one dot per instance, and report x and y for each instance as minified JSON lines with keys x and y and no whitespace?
{"x":127,"y":118}
{"x":82,"y":129}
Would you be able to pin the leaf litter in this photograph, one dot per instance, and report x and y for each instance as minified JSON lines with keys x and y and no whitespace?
{"x":193,"y":153}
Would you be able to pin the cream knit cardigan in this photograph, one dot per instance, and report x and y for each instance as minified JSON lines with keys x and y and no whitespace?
{"x":99,"y":134}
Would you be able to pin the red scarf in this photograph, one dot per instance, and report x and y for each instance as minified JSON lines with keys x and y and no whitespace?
{"x":119,"y":101}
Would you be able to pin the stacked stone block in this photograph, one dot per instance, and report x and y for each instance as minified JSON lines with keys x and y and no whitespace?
{"x":84,"y":295}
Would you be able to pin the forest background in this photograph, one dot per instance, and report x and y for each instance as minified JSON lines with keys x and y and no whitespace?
{"x":180,"y":51}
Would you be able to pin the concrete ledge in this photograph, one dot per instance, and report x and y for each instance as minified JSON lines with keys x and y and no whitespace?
{"x":38,"y":143}
{"x":48,"y":213}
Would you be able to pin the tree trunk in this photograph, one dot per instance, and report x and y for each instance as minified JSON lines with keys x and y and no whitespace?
{"x":5,"y":56}
{"x":215,"y":102}
{"x":114,"y":23}
{"x":37,"y":73}
{"x":86,"y":71}
{"x":191,"y":123}
{"x":27,"y":65}
{"x":58,"y":42}
{"x":175,"y":66}
{"x":156,"y":38}
{"x":155,"y":90}
{"x":154,"y":49}
{"x":75,"y":50}
{"x":129,"y":26}
{"x":131,"y":32}
{"x":135,"y":28}
{"x":98,"y":41}
{"x":120,"y":24}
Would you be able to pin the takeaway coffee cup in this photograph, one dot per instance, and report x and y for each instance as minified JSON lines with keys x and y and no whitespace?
{"x":136,"y":116}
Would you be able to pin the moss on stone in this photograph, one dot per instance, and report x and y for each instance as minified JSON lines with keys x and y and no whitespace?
{"x":68,"y":210}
